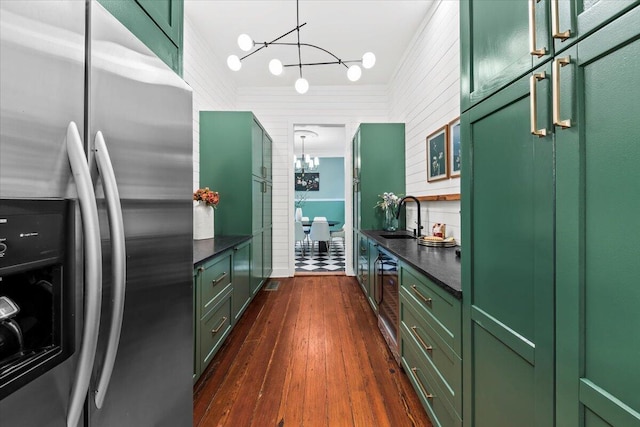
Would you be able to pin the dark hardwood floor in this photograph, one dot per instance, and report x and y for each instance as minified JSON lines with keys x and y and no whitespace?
{"x":308,"y":354}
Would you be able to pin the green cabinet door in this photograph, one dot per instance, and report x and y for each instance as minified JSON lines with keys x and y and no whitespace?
{"x":241,"y":279}
{"x":508,"y":282}
{"x":373,"y":286}
{"x":495,"y":44}
{"x":598,"y":207}
{"x":257,"y":149}
{"x":356,"y":181}
{"x":257,"y":262}
{"x":576,"y":19}
{"x":157,"y":23}
{"x":267,"y":152}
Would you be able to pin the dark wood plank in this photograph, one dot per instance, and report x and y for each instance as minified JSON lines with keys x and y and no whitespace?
{"x":308,"y":354}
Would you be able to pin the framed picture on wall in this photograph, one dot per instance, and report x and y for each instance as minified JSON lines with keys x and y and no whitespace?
{"x":437,"y":160}
{"x":307,"y":181}
{"x":454,"y":148}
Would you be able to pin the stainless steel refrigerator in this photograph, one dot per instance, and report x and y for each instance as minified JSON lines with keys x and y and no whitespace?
{"x":91,"y":116}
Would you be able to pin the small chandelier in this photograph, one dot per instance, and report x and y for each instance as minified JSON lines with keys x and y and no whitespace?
{"x":246,"y":43}
{"x":305,"y":163}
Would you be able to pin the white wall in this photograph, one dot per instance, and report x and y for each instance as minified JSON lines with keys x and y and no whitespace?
{"x":278,"y":109}
{"x":210,"y":79}
{"x":425,"y":95}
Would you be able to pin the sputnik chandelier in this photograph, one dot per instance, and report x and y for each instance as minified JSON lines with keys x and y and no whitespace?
{"x":276,"y":67}
{"x":305,"y":162}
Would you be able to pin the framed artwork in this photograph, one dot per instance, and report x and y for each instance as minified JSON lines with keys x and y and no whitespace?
{"x":307,"y":181}
{"x":437,"y":161}
{"x":454,"y":148}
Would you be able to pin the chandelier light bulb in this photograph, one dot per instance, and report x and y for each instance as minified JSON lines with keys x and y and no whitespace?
{"x":298,"y":164}
{"x":275,"y":66}
{"x":245,"y":42}
{"x":368,"y":60}
{"x":354,"y":72}
{"x":234,"y":62}
{"x":316,"y":161}
{"x":302,"y":86}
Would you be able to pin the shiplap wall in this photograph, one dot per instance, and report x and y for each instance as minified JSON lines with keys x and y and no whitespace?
{"x":425,"y":94}
{"x":279,"y":109}
{"x":210,"y":79}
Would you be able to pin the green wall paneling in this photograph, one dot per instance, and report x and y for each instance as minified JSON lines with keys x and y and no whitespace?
{"x":157,"y":23}
{"x":597,"y":274}
{"x":508,"y":283}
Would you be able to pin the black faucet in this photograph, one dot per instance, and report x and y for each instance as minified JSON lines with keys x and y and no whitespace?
{"x":416,"y":231}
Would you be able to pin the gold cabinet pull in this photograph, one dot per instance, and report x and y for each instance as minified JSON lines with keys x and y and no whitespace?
{"x":428,"y":301}
{"x":216,"y":330}
{"x":557,"y":63}
{"x":555,"y":23}
{"x":215,"y":281}
{"x":532,"y":31}
{"x":422,"y":388}
{"x":200,"y":269}
{"x":534,"y":104}
{"x":424,"y":345}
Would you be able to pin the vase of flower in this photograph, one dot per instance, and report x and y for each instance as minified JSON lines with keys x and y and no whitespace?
{"x":203,"y":213}
{"x":390,"y":220}
{"x":298,"y":214}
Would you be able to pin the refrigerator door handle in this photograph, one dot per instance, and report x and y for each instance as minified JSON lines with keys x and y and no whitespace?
{"x":118,"y":265}
{"x":92,"y":273}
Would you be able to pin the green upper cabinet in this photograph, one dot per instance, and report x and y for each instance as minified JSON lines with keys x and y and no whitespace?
{"x":157,"y":23}
{"x":598,"y":184}
{"x":496,"y":46}
{"x":503,"y":40}
{"x":378,"y":168}
{"x":508,"y":284}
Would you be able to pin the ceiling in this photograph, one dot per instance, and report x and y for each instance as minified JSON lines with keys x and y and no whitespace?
{"x":347,"y":28}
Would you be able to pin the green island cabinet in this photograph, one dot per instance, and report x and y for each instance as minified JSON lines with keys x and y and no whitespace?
{"x":235,"y":160}
{"x":378,"y":167}
{"x":157,"y":23}
{"x":549,"y":218}
{"x":431,"y":345}
{"x":221,"y":293}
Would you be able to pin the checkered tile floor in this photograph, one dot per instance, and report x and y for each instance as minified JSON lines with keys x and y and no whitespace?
{"x":321,"y":262}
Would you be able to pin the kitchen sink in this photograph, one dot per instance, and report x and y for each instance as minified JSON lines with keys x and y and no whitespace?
{"x":397,"y":236}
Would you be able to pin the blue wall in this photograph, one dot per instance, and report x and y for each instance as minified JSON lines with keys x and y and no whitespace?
{"x":329,"y":200}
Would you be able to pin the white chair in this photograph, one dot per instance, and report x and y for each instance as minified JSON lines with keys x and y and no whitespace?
{"x":301,"y":236}
{"x":305,"y":218}
{"x":338,"y":234}
{"x":320,"y":233}
{"x":320,"y":218}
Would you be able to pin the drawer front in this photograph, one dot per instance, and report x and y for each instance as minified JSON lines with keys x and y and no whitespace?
{"x":440,"y":411}
{"x":214,"y":328}
{"x":445,"y":363}
{"x":441,"y":310}
{"x":215,"y":277}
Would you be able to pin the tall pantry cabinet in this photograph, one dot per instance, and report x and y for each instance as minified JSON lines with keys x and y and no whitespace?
{"x":235,"y":160}
{"x":549,"y":201}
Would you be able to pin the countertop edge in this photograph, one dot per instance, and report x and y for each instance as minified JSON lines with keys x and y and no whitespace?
{"x":451,"y":288}
{"x":206,"y":249}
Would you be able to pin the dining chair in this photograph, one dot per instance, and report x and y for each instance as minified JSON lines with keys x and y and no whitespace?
{"x":340,"y":234}
{"x":320,"y":233}
{"x":300,"y":235}
{"x":320,"y":218}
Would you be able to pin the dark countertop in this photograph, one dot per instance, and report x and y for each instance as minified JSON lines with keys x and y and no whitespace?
{"x":439,"y":264}
{"x":208,"y":248}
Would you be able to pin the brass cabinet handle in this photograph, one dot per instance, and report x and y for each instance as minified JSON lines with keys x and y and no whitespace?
{"x":532,"y":31}
{"x":414,"y":288}
{"x":200,"y":269}
{"x":557,"y":63}
{"x":428,"y":348}
{"x":534,"y":104}
{"x":555,"y":23}
{"x":215,"y":281}
{"x":422,"y":388}
{"x":215,"y":331}
{"x":264,"y":171}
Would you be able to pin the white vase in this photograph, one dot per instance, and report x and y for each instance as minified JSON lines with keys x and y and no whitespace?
{"x":202,"y":221}
{"x":298,"y":214}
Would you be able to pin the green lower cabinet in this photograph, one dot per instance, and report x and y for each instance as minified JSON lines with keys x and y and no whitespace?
{"x":257,"y":264}
{"x":598,"y":184}
{"x":214,"y":328}
{"x":241,"y":280}
{"x":372,"y":286}
{"x":430,"y":345}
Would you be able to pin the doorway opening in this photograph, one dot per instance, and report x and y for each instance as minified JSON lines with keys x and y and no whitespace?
{"x":319,"y":198}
